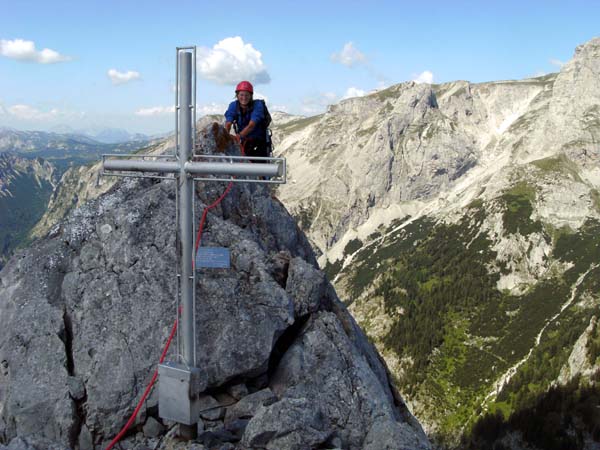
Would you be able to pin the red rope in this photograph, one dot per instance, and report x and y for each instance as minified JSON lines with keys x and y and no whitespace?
{"x":146,"y":392}
{"x":164,"y":352}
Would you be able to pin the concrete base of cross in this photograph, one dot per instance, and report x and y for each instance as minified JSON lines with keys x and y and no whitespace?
{"x":178,"y":390}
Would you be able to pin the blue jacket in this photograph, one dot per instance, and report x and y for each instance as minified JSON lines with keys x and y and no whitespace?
{"x":255,"y":112}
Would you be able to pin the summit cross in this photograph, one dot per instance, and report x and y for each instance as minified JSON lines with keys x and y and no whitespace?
{"x":181,"y":381}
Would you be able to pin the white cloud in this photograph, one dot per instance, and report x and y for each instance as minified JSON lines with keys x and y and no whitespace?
{"x":122,"y":77}
{"x":424,"y":77}
{"x":230,"y":61}
{"x":556,"y":62}
{"x":29,"y":113}
{"x":353,"y":92}
{"x":23,"y":50}
{"x":349,"y":56}
{"x":211,"y":108}
{"x":317,"y":104}
{"x":155,"y":111}
{"x":260,"y":96}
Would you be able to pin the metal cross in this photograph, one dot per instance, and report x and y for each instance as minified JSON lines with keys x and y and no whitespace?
{"x":180,"y":380}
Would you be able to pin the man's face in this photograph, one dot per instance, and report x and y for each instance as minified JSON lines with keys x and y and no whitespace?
{"x":244,"y":97}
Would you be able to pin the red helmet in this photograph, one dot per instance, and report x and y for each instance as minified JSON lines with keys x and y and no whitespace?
{"x":244,"y":86}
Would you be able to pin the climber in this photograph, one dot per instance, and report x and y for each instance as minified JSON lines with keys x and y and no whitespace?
{"x":250,"y":119}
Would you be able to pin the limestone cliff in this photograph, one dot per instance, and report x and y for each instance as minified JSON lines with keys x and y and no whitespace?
{"x":460,"y":221}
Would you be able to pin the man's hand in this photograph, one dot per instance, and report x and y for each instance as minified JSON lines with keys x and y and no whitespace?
{"x":236,"y":138}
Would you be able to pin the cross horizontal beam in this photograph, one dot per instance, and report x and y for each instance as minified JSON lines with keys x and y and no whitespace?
{"x":268,"y":169}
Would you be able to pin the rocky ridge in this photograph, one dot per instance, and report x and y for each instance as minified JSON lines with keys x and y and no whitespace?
{"x":418,"y":149}
{"x":85,"y":311}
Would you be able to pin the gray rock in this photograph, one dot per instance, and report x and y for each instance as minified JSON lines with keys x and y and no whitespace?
{"x":76,"y":388}
{"x":20,"y":443}
{"x":210,"y":408}
{"x":287,"y":424}
{"x":237,"y":427}
{"x":215,"y":438}
{"x":86,"y":441}
{"x":153,"y":428}
{"x":324,"y":367}
{"x":306,"y":285}
{"x":17,"y":444}
{"x":212,"y":425}
{"x":224,"y":399}
{"x":336,"y":442}
{"x":238,"y":391}
{"x":391,"y":435}
{"x":247,"y":407}
{"x":196,"y":447}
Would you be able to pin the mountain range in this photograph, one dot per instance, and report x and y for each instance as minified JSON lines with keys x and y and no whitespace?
{"x":105,"y":135}
{"x":460,"y":221}
{"x":460,"y":224}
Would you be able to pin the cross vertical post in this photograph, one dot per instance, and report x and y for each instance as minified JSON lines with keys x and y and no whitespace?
{"x":186,"y":188}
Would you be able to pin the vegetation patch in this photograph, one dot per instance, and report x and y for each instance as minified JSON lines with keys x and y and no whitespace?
{"x":595,"y":195}
{"x":518,"y":209}
{"x":581,"y":248}
{"x":367,"y":131}
{"x":21,"y":210}
{"x":562,"y":418}
{"x":593,"y":345}
{"x":559,"y":164}
{"x":298,"y":124}
{"x":384,"y":94}
{"x":352,"y":246}
{"x":332,"y":269}
{"x":367,"y":262}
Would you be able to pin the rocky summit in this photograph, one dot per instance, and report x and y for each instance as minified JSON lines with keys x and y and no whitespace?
{"x":86,"y":310}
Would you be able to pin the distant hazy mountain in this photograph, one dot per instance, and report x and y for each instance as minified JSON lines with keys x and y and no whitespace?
{"x":116,"y":136}
{"x":63,"y":149}
{"x":103,"y":135}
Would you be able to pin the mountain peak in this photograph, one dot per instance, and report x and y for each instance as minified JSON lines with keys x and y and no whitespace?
{"x":590,"y":48}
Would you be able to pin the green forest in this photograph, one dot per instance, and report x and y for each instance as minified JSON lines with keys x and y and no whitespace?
{"x":21,"y":210}
{"x":460,"y":332}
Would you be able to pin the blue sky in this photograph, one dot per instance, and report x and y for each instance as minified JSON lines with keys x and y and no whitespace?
{"x":312,"y":53}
